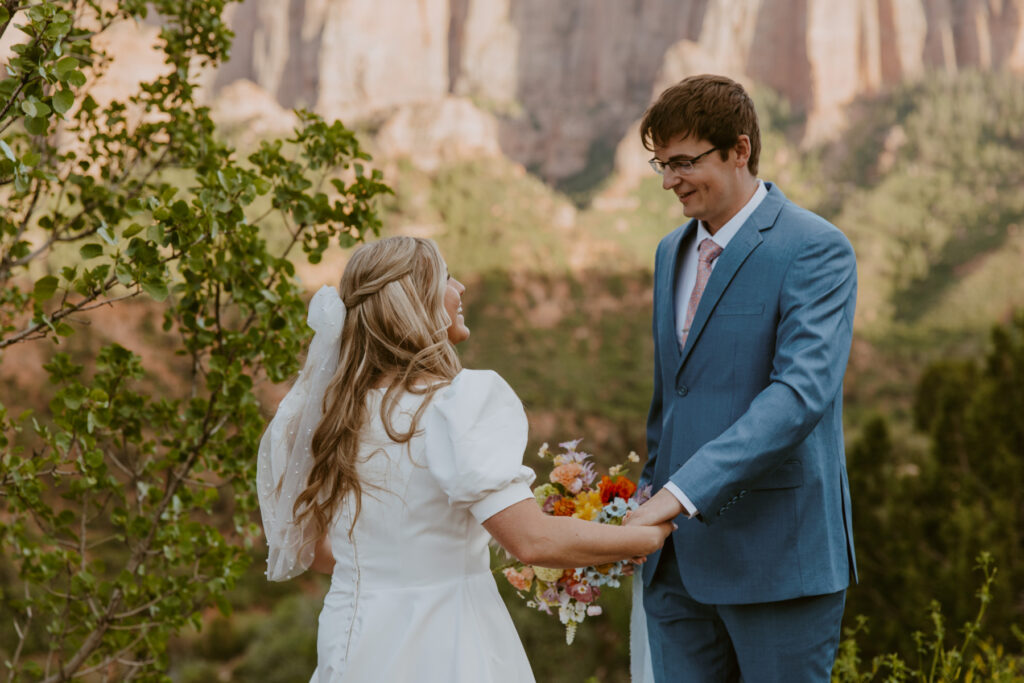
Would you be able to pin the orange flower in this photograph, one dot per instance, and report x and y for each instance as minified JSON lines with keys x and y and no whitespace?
{"x":620,"y":487}
{"x":522,"y":580}
{"x":564,"y":507}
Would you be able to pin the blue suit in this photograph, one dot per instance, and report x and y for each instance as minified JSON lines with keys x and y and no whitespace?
{"x":747,"y":419}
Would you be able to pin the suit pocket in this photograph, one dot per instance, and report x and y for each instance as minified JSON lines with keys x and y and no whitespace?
{"x":788,"y":475}
{"x":740,"y":309}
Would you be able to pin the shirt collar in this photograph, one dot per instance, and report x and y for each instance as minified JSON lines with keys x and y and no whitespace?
{"x":729,"y":230}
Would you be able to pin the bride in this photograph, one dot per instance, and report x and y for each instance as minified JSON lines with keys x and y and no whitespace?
{"x":389,"y":467}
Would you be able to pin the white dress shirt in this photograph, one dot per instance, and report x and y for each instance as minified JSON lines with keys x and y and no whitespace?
{"x":686,"y":279}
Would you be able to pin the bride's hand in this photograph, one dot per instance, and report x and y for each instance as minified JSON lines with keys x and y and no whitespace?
{"x":657,"y":533}
{"x":662,"y":507}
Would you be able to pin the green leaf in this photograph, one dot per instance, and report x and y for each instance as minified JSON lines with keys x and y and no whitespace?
{"x":155,"y":232}
{"x":123,"y":274}
{"x":75,"y":79}
{"x":65,"y":66}
{"x":105,"y":234}
{"x":91,"y":250}
{"x":63,"y":101}
{"x":64,"y":330}
{"x":45,"y":287}
{"x":132,"y":230}
{"x":156,"y":289}
{"x":8,"y":152}
{"x":37,"y":125}
{"x":5,"y":16}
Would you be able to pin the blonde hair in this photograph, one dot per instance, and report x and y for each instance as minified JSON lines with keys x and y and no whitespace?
{"x":396,"y":330}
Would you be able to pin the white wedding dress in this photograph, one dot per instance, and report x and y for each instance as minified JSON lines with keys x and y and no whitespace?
{"x":412,"y":597}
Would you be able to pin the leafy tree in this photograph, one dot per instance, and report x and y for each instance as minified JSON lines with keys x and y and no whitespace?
{"x":921,"y":522}
{"x":107,"y":500}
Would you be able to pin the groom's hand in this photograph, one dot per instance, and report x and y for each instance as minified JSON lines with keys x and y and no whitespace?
{"x":662,"y":507}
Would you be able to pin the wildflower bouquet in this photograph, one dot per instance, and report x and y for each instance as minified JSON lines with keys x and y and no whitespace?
{"x":574,"y":489}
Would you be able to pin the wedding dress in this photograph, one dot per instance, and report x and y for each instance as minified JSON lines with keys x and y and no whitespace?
{"x":412,"y":597}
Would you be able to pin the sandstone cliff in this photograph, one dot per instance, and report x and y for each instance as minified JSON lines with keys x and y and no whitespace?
{"x":565,"y":80}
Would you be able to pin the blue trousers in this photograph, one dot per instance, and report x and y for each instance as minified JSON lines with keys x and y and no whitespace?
{"x":790,"y":641}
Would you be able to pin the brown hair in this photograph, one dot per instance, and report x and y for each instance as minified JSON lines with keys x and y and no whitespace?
{"x":396,"y":330}
{"x":708,"y":107}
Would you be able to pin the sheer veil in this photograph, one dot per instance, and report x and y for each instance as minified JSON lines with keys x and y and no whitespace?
{"x":285,"y":456}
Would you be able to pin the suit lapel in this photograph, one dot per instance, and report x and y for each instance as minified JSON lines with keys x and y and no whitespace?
{"x":740,"y":247}
{"x":667,"y":283}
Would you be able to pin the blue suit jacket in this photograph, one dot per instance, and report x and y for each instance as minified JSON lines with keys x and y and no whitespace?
{"x":747,"y":419}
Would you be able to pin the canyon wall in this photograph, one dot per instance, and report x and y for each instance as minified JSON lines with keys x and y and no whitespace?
{"x":556,"y":85}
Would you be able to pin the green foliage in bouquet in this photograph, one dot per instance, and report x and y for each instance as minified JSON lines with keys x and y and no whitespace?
{"x":106,"y":499}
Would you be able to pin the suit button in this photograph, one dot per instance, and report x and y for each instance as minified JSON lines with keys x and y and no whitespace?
{"x":682,"y":390}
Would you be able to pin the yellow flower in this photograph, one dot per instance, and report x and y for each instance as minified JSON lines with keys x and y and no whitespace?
{"x":546,"y":574}
{"x":588,"y":505}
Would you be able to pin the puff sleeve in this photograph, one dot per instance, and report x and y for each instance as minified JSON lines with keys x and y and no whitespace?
{"x":475,"y":431}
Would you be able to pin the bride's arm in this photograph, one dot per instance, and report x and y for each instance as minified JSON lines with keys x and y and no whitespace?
{"x":564,"y":542}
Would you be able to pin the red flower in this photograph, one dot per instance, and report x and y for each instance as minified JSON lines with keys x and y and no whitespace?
{"x":620,"y":487}
{"x":583,"y":592}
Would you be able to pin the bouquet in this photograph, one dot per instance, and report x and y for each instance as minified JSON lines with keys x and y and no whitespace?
{"x":575,"y":489}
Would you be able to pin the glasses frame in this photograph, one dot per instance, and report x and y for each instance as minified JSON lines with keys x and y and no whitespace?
{"x":678,"y":166}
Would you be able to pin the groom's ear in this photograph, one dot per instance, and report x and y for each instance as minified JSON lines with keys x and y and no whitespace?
{"x":742,"y":150}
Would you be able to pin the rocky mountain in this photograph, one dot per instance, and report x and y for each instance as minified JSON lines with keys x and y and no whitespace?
{"x":556,"y":85}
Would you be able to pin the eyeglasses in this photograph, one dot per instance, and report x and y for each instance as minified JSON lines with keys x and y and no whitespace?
{"x":679,"y":166}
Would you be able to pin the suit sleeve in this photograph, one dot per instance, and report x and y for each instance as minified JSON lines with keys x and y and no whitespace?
{"x":813,"y":337}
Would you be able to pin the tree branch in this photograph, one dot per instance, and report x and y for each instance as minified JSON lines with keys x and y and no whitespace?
{"x":95,"y":637}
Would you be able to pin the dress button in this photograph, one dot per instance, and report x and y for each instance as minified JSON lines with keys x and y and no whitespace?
{"x":682,"y":390}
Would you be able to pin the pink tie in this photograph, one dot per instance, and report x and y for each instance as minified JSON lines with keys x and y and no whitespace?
{"x":707,"y":252}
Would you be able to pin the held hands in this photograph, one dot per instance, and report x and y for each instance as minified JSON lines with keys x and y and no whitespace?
{"x":662,"y":507}
{"x":656,"y":515}
{"x":657,"y":533}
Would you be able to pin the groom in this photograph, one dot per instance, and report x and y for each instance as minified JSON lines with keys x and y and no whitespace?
{"x":753,"y":315}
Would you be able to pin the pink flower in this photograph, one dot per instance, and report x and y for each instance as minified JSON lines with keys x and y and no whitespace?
{"x":568,"y":476}
{"x":521,"y":580}
{"x":583,"y":592}
{"x":549,"y":504}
